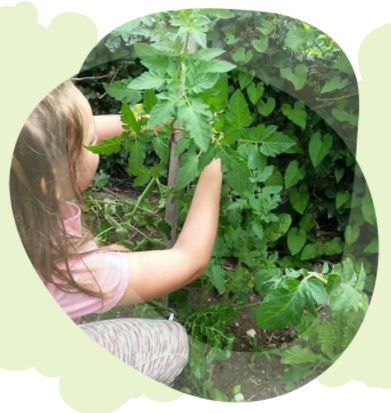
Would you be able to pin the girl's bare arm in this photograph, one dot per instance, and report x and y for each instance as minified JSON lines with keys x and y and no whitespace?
{"x":159,"y":272}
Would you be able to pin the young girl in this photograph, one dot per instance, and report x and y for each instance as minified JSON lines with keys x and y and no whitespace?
{"x":50,"y":170}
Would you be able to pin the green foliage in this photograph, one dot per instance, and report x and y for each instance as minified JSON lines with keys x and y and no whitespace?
{"x":287,"y":198}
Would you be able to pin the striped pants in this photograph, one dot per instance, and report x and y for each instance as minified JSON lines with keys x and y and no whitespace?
{"x":157,"y":348}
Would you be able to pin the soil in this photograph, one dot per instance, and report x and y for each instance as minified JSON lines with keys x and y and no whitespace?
{"x":252,"y":364}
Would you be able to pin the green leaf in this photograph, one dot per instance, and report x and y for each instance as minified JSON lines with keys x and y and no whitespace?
{"x":128,"y":119}
{"x":119,"y":91}
{"x":266,"y":108}
{"x":372,"y":247}
{"x":188,"y":170}
{"x":242,"y":56}
{"x":217,"y":277}
{"x":275,"y":144}
{"x":147,"y":80}
{"x":160,"y":146}
{"x":277,"y":229}
{"x":307,"y":222}
{"x":282,"y":307}
{"x":162,"y":110}
{"x":300,"y":355}
{"x":238,"y":114}
{"x":245,"y":79}
{"x":342,"y":198}
{"x":335,"y":83}
{"x":339,"y":173}
{"x":255,"y":92}
{"x":137,"y":153}
{"x":204,"y":82}
{"x":343,"y":64}
{"x":299,"y":198}
{"x":218,"y":66}
{"x":316,"y":290}
{"x":311,"y":251}
{"x":107,"y":146}
{"x":294,"y":39}
{"x":195,"y":118}
{"x":319,"y":147}
{"x":297,"y":114}
{"x":238,"y":174}
{"x":260,"y":45}
{"x":298,"y":76}
{"x":333,"y":246}
{"x":343,"y":116}
{"x":368,"y":210}
{"x":344,"y":297}
{"x":351,"y":234}
{"x":149,"y":100}
{"x":293,"y":174}
{"x":208,"y":54}
{"x":296,"y":240}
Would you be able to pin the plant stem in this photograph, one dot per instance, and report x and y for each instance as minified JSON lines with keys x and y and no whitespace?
{"x":144,"y":194}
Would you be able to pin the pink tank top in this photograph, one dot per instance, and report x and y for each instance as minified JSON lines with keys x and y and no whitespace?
{"x":109,"y":268}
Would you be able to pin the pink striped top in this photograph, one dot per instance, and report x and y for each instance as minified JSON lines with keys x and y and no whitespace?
{"x":109,"y":268}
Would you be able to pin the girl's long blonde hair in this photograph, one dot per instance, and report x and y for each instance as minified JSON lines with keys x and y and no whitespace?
{"x":45,"y":158}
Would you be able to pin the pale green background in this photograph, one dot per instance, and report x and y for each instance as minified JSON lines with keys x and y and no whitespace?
{"x":34,"y":61}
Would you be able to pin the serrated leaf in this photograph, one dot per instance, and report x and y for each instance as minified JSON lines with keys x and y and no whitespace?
{"x":160,"y":146}
{"x":137,"y":153}
{"x":238,"y":174}
{"x":128,"y":118}
{"x":218,"y":66}
{"x":296,"y":240}
{"x":316,"y":290}
{"x":293,"y":174}
{"x":335,"y":83}
{"x":282,"y":307}
{"x":188,"y":170}
{"x":161,"y":111}
{"x":297,"y":354}
{"x":299,"y":198}
{"x":107,"y":146}
{"x":149,"y":100}
{"x":204,"y":82}
{"x":297,"y":114}
{"x":208,"y":54}
{"x":147,"y":80}
{"x":238,"y":114}
{"x":275,"y":144}
{"x":319,"y":147}
{"x":297,"y":76}
{"x":195,"y":118}
{"x":119,"y":91}
{"x":266,"y":108}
